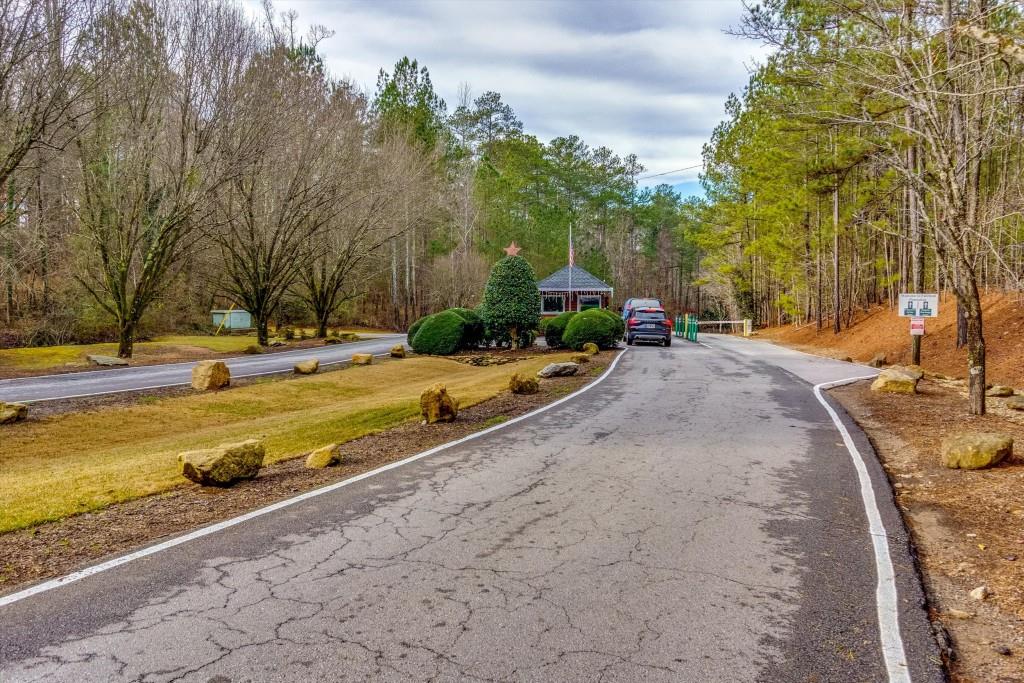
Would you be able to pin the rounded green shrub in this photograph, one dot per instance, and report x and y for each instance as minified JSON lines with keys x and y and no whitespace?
{"x":473,"y":335}
{"x":440,"y":334}
{"x":414,"y":328}
{"x":554,"y":329}
{"x":594,"y":326}
{"x":620,"y":324}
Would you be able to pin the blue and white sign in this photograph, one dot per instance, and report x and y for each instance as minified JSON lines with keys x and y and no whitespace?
{"x":919,"y":305}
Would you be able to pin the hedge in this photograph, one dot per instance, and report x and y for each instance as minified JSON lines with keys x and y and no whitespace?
{"x":473,"y":335}
{"x":440,"y":334}
{"x":594,"y":325}
{"x":554,"y":328}
{"x":414,"y":328}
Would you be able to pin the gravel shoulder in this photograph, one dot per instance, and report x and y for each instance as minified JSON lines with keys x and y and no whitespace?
{"x":967,"y":526}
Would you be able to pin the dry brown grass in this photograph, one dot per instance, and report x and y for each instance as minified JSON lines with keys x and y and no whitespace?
{"x":66,"y":464}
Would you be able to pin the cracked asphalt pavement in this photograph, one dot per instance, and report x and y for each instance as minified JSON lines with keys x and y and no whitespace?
{"x":694,"y":517}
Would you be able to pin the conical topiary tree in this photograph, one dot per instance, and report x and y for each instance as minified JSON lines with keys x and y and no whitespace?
{"x":511,"y":299}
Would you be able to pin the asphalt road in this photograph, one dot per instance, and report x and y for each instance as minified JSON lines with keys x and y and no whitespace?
{"x":693,"y":517}
{"x":115,"y":380}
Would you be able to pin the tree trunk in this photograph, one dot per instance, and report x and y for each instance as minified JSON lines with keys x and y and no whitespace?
{"x":126,"y":340}
{"x":321,"y":326}
{"x":262,"y":329}
{"x":838,"y":303}
{"x":975,"y":352}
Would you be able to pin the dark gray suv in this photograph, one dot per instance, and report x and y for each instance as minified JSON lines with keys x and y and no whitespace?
{"x":648,"y":324}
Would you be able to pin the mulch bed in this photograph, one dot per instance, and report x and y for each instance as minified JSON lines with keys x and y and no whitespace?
{"x":967,"y":526}
{"x":56,"y":548}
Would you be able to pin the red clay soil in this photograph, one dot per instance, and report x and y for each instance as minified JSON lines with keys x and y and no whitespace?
{"x":967,"y":526}
{"x":881,"y":330}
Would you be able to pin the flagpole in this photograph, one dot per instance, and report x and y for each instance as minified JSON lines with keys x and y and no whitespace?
{"x":571,"y":260}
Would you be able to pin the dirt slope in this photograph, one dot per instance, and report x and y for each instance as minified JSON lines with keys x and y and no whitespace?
{"x":882,"y":330}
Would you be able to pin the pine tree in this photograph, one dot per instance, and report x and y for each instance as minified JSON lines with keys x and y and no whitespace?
{"x":511,"y":299}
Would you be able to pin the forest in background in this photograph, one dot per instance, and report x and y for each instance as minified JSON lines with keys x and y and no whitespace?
{"x":160,"y":158}
{"x":877,"y":151}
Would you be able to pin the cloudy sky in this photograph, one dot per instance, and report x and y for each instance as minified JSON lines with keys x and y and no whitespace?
{"x":643,"y":77}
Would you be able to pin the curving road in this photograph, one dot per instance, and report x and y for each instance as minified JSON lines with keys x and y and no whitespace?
{"x":116,"y":380}
{"x":693,"y":517}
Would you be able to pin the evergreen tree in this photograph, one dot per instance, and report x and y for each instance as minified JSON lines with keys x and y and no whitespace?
{"x":511,"y":299}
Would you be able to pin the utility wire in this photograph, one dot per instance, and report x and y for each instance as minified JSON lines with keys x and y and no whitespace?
{"x":675,"y":170}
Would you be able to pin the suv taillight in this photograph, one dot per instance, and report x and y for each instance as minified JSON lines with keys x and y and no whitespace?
{"x":633,"y":322}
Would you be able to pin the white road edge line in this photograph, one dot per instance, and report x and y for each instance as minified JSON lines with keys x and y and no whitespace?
{"x":180,"y":384}
{"x":219,"y":526}
{"x":885,"y":591}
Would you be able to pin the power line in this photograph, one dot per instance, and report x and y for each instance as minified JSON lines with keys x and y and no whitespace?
{"x":675,"y":170}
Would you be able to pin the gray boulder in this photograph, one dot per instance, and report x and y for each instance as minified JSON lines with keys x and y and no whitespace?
{"x":108,"y":361}
{"x":559,"y":370}
{"x":999,"y":391}
{"x":12,"y":412}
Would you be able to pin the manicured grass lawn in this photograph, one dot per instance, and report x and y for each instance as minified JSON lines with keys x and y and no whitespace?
{"x":77,"y":462}
{"x":73,"y":355}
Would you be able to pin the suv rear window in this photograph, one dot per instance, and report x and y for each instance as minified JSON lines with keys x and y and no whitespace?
{"x":644,"y":303}
{"x":649,"y":315}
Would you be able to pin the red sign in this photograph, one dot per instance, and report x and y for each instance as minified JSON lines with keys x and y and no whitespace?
{"x":917,"y":327}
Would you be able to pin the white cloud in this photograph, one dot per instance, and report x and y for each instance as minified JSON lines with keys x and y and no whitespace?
{"x":648,"y":78}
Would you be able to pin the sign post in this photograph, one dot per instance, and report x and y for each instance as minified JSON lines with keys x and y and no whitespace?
{"x":917,"y":307}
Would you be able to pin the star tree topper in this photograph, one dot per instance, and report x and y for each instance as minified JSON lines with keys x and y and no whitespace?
{"x":512,"y":249}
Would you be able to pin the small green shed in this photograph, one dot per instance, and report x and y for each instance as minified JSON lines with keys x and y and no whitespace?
{"x":233,"y":319}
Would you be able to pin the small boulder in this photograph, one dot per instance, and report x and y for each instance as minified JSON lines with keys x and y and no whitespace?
{"x":328,"y":456}
{"x":521,"y":384}
{"x":12,"y":412}
{"x":1000,"y":391}
{"x":253,"y":350}
{"x":106,"y":361}
{"x":307,"y":367}
{"x":398,"y":351}
{"x":332,"y":340}
{"x":437,"y":405}
{"x":976,"y":450}
{"x":580,"y":358}
{"x":276,"y":343}
{"x":362,"y":359}
{"x":210,"y":374}
{"x":223,"y":465}
{"x":878,"y":361}
{"x":980,"y":593}
{"x":1015,"y":403}
{"x":590,"y":348}
{"x":846,"y":359}
{"x":897,"y":380}
{"x":559,"y":370}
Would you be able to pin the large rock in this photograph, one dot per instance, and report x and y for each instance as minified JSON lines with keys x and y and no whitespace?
{"x":590,"y":348}
{"x":223,"y":465}
{"x":999,"y":391}
{"x":12,"y":412}
{"x":253,"y":350}
{"x":362,"y":359}
{"x":436,"y":405}
{"x":897,"y":380}
{"x":107,"y":361}
{"x":878,"y":361}
{"x":210,"y":374}
{"x":328,"y":456}
{"x":580,"y":358}
{"x":398,"y":351}
{"x":307,"y":367}
{"x":1015,"y":403}
{"x":976,"y":450}
{"x":521,"y":384}
{"x":559,"y":370}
